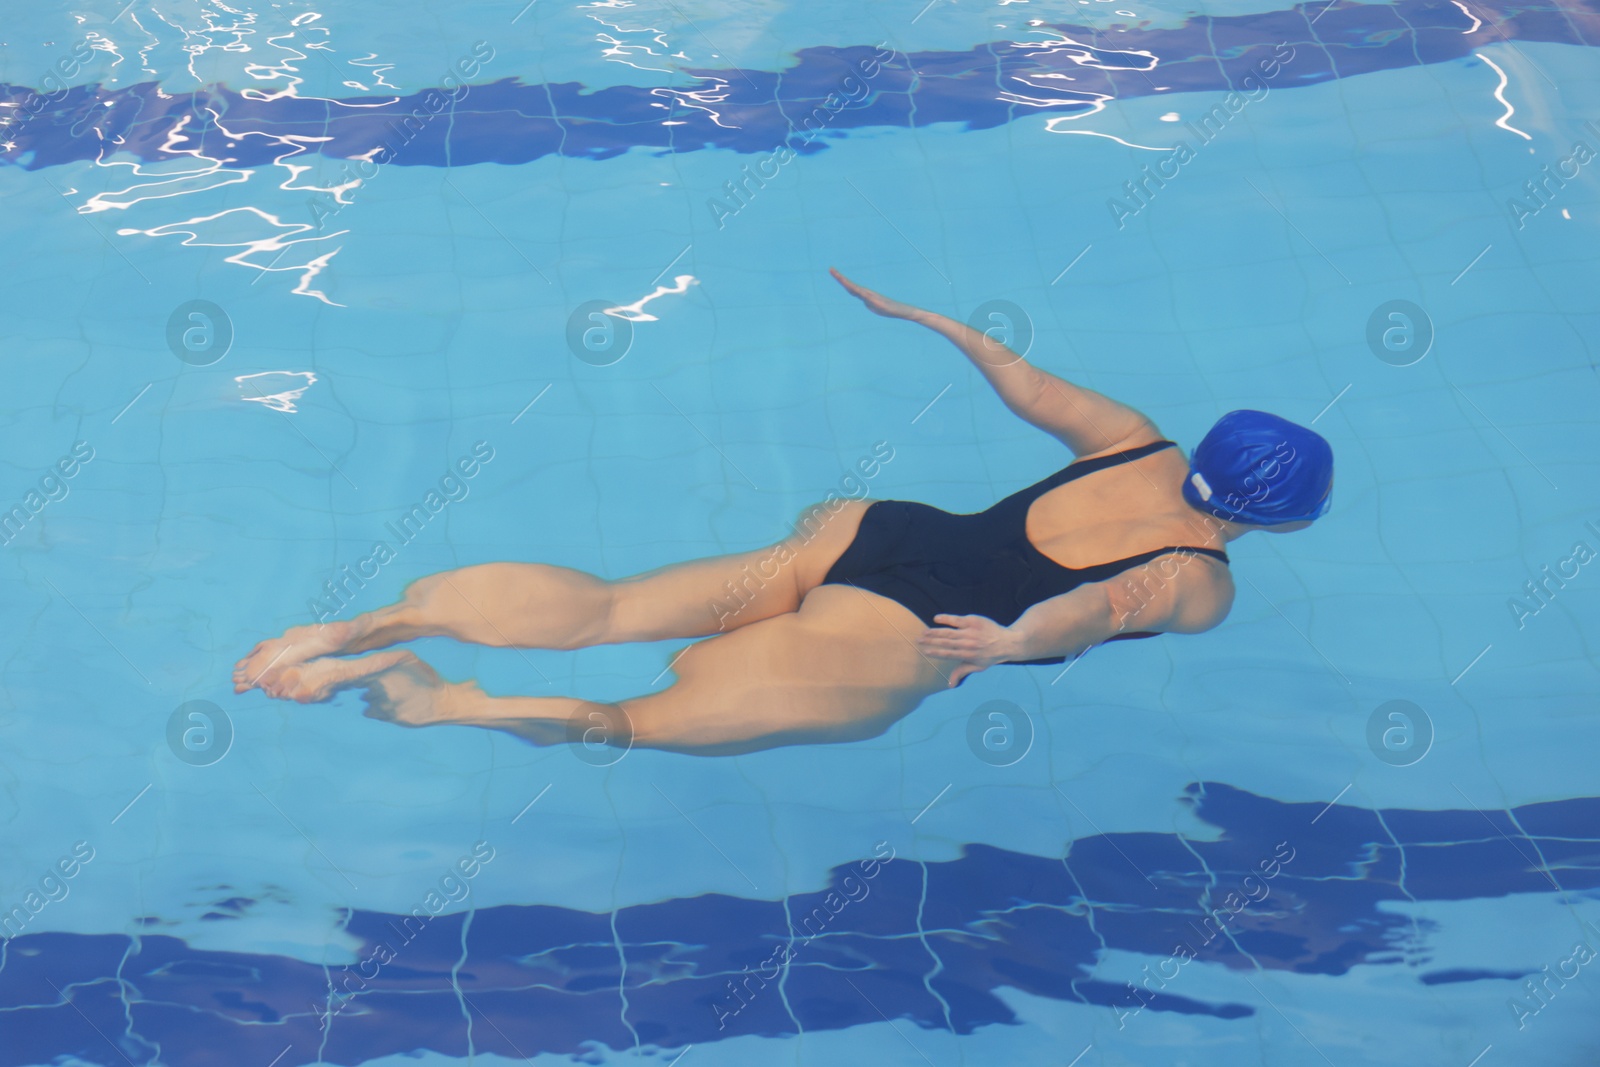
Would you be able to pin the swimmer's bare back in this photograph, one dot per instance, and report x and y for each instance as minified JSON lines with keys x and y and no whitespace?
{"x":789,"y":657}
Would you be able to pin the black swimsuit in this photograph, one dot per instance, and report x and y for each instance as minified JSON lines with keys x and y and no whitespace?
{"x":937,"y":563}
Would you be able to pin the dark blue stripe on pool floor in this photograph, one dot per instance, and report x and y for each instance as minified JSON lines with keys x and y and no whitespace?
{"x":1301,"y":888}
{"x":829,"y":91}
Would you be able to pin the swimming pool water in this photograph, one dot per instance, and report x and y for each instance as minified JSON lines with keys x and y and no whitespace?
{"x":915,"y":898}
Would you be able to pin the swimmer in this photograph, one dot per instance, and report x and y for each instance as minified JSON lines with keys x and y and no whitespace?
{"x":867,"y":608}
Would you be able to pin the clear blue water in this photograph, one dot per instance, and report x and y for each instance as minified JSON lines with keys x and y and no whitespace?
{"x":224,"y":901}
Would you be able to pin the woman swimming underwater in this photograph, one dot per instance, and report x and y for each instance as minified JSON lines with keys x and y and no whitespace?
{"x":869,"y":607}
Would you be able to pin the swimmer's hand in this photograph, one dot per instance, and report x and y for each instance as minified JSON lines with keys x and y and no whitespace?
{"x":877,"y":303}
{"x":977,"y":642}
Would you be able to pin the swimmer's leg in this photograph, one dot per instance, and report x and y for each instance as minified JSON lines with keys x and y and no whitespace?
{"x":537,"y":605}
{"x":317,"y":680}
{"x":839,"y":670}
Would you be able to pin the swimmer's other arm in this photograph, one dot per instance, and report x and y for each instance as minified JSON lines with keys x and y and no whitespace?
{"x":1138,"y":601}
{"x":1082,"y":419}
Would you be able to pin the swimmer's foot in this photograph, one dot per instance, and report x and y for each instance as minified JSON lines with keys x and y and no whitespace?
{"x":411,"y":693}
{"x":317,"y":680}
{"x":298,"y":645}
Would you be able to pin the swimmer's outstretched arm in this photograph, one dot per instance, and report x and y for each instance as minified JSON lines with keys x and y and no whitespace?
{"x":1082,"y":419}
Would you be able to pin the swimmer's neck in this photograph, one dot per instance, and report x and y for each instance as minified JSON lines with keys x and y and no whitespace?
{"x":1227,"y":530}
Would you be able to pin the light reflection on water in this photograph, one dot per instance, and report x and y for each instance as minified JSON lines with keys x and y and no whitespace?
{"x":264,"y":236}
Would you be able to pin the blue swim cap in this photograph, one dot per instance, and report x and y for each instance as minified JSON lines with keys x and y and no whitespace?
{"x":1256,"y":468}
